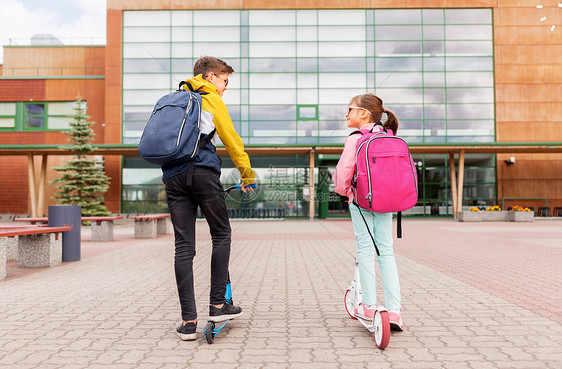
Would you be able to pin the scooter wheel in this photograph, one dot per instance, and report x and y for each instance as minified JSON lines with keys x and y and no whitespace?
{"x":349,"y":304}
{"x":209,"y":335}
{"x":381,"y":325}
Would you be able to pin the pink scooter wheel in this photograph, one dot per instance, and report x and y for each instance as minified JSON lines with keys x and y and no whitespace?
{"x":381,"y":325}
{"x":349,"y":304}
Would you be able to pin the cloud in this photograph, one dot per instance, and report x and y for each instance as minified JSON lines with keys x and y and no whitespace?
{"x":71,"y":21}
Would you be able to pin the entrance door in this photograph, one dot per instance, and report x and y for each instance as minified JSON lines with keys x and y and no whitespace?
{"x":331,"y":205}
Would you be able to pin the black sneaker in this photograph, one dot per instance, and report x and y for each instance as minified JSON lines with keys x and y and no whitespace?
{"x":224,"y":313}
{"x":187,"y":331}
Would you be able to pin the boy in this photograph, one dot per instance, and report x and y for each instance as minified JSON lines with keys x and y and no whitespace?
{"x":197,"y":183}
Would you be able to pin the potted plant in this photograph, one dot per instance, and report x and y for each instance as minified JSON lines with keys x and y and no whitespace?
{"x":520,"y":214}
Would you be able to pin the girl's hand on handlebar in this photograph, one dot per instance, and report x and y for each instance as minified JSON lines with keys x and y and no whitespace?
{"x":248,"y":187}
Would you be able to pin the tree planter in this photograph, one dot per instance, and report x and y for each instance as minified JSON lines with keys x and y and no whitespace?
{"x":484,"y":216}
{"x":496,"y":216}
{"x":522,"y":216}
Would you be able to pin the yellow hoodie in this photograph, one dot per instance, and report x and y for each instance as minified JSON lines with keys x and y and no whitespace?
{"x":215,"y":115}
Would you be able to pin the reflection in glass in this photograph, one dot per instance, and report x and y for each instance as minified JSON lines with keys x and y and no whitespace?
{"x":391,"y":64}
{"x":273,"y":112}
{"x":268,"y":65}
{"x":389,"y":48}
{"x":339,"y":65}
{"x":470,"y":111}
{"x":385,"y":33}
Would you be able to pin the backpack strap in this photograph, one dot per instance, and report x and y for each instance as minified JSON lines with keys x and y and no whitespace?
{"x":368,"y":230}
{"x":399,"y":225}
{"x":207,"y":139}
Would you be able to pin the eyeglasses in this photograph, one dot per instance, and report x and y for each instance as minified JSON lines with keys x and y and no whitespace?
{"x":350,"y":108}
{"x":225,"y":80}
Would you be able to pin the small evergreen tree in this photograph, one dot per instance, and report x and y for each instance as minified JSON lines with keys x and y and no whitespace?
{"x":84,"y":180}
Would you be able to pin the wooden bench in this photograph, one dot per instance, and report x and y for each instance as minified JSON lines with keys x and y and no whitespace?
{"x":38,"y":246}
{"x":152,"y":225}
{"x":102,"y":227}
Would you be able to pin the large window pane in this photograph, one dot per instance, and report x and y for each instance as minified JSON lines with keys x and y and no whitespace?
{"x":307,"y":17}
{"x":400,"y":95}
{"x":468,"y":32}
{"x":272,"y":49}
{"x":470,"y":64}
{"x":272,"y":34}
{"x":483,"y":48}
{"x":142,"y":18}
{"x":221,"y":50}
{"x":307,"y":49}
{"x":341,"y":33}
{"x":7,"y":108}
{"x":339,"y":65}
{"x":213,"y":34}
{"x":146,"y":34}
{"x":61,"y":108}
{"x":273,"y":112}
{"x":468,"y":16}
{"x":281,"y":96}
{"x":391,"y":48}
{"x":182,"y":34}
{"x":433,"y":16}
{"x":386,"y":79}
{"x":146,"y":81}
{"x":58,"y":122}
{"x":341,"y":17}
{"x":273,"y":80}
{"x":470,"y":95}
{"x":7,"y":122}
{"x":338,"y":96}
{"x":402,"y":16}
{"x":272,"y":17}
{"x":470,"y":111}
{"x":146,"y":50}
{"x":146,"y":65}
{"x":307,"y":33}
{"x":143,"y":97}
{"x":204,"y":18}
{"x":341,"y":49}
{"x":471,"y":79}
{"x":182,"y":18}
{"x":398,"y":63}
{"x":385,"y":33}
{"x":350,"y":80}
{"x":434,"y":96}
{"x":268,"y":65}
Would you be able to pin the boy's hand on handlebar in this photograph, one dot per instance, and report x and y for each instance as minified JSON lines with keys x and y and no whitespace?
{"x":248,"y":187}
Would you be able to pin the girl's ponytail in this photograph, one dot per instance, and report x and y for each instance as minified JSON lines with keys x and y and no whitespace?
{"x":391,"y":121}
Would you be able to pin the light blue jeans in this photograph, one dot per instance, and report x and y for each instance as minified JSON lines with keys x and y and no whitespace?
{"x":380,"y":226}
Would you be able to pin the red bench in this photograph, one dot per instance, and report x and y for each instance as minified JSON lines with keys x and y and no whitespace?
{"x":37,"y":246}
{"x":151,"y":225}
{"x":102,"y":226}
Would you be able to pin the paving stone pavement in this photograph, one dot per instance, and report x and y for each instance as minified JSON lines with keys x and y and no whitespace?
{"x":462,"y":287}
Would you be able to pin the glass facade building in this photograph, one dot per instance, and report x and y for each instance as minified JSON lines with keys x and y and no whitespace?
{"x":296,"y":71}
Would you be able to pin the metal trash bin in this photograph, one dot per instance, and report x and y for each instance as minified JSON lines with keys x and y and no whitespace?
{"x":67,"y":215}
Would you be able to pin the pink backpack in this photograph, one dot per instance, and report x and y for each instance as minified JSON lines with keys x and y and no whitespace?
{"x":385,"y":177}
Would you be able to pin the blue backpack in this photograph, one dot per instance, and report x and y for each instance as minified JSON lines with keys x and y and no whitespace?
{"x":172,"y":134}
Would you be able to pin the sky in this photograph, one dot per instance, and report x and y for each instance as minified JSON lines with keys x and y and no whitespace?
{"x":79,"y":20}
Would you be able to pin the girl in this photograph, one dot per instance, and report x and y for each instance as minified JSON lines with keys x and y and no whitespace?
{"x":362,"y":113}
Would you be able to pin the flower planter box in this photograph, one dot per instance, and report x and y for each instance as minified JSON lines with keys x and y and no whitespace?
{"x":496,"y":216}
{"x":522,"y":216}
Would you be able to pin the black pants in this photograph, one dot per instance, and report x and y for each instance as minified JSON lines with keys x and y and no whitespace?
{"x":206,"y":192}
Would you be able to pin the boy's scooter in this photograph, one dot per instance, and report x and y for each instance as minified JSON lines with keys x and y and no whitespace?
{"x":380,"y":326}
{"x":210,"y":330}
